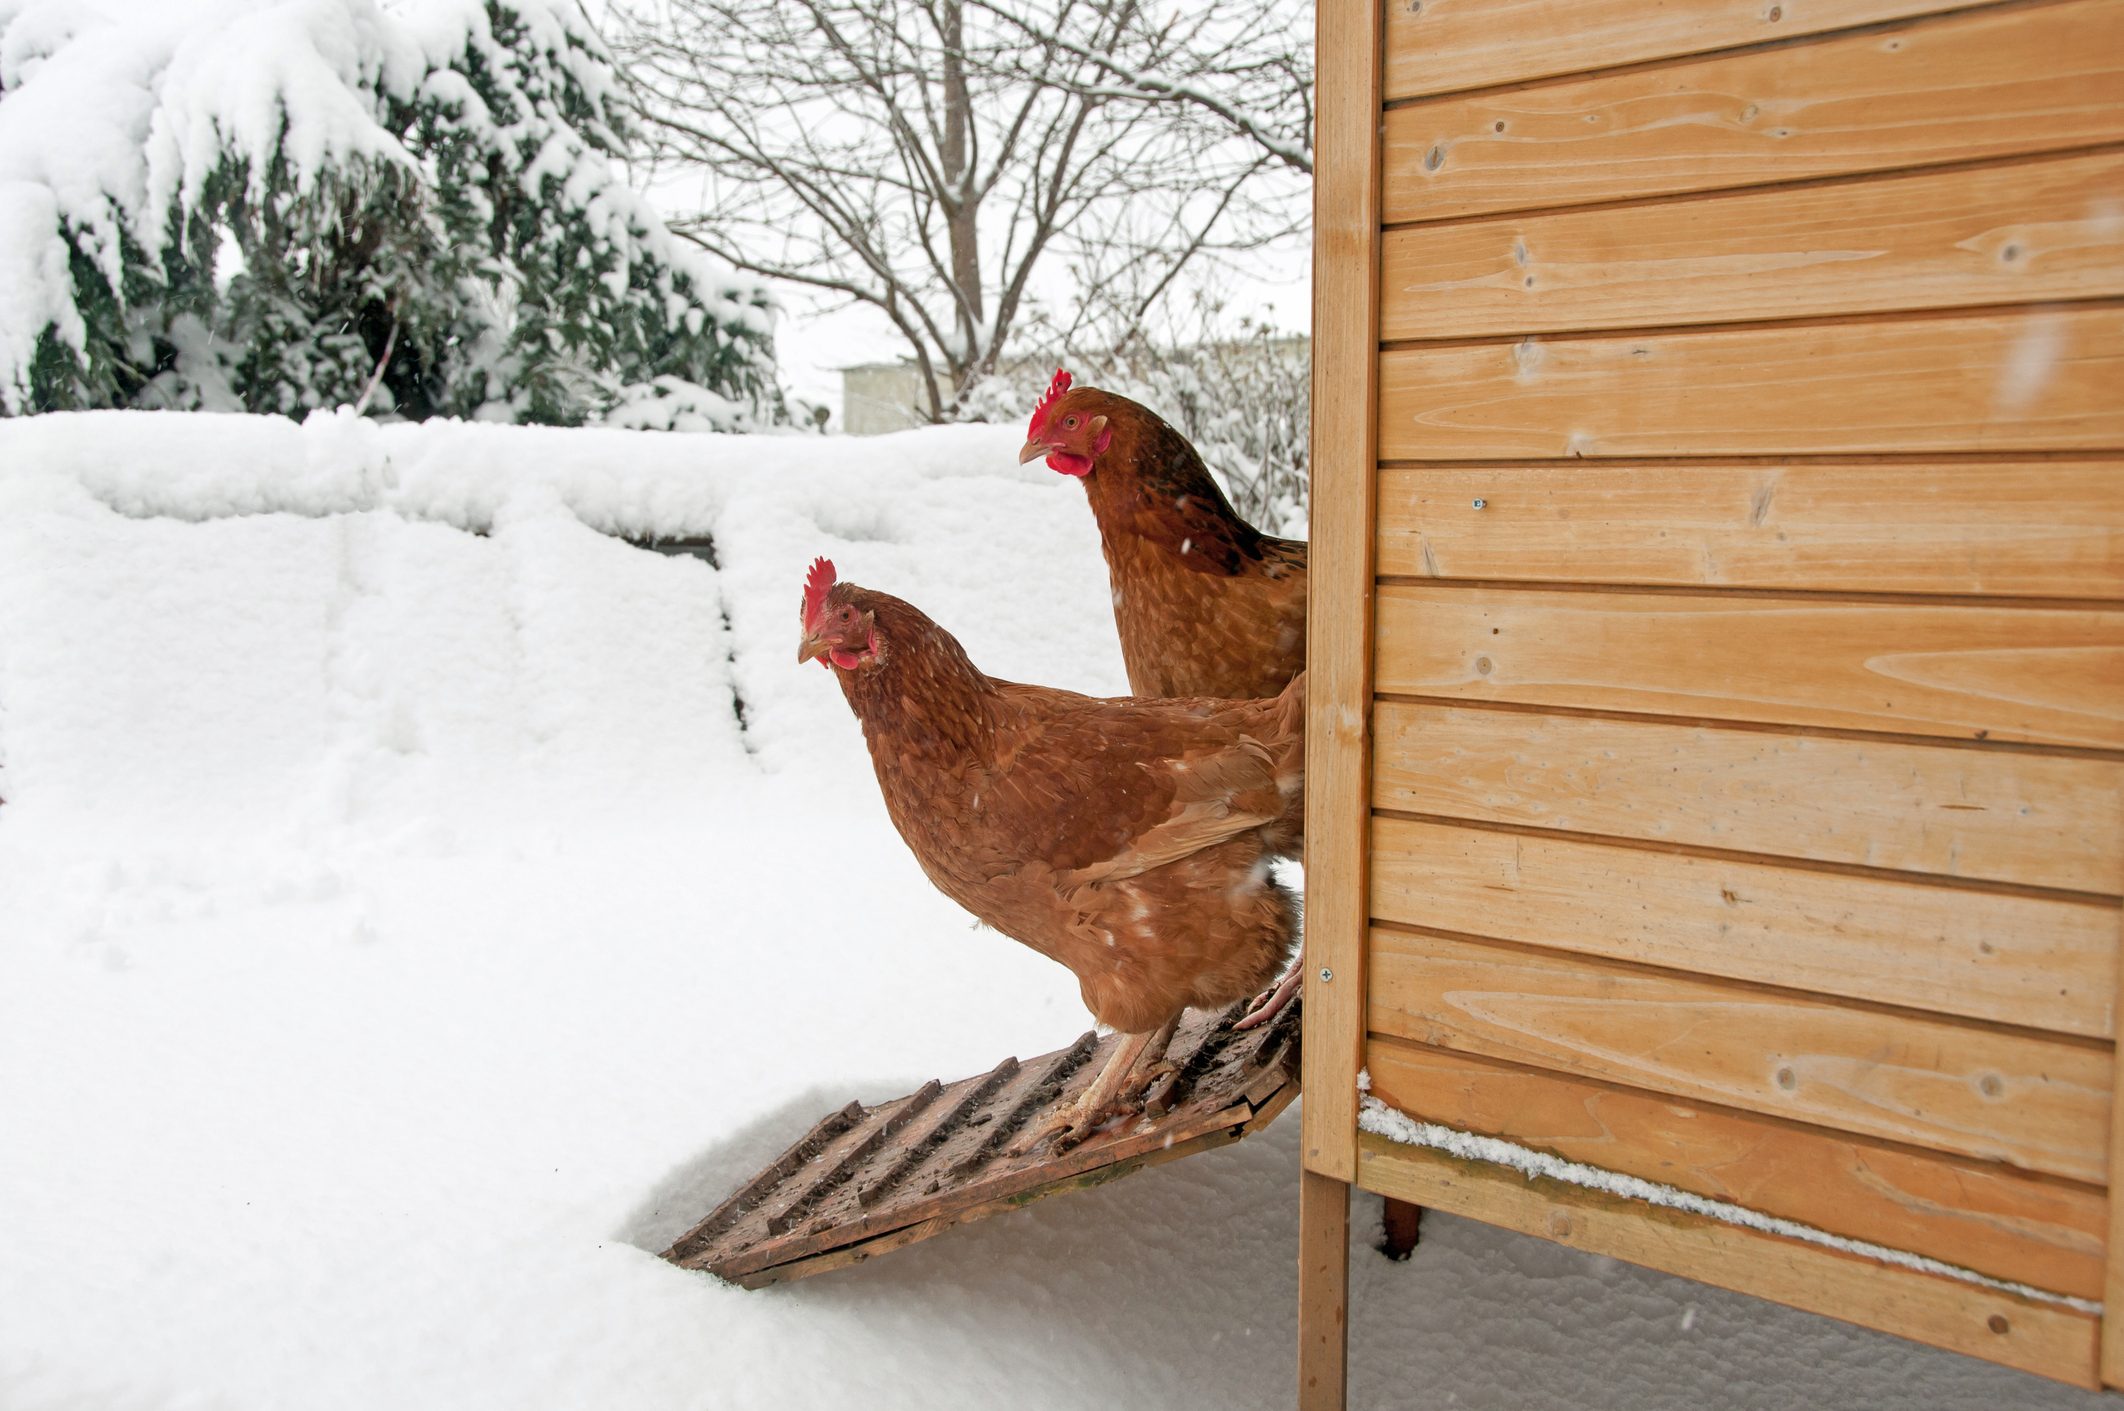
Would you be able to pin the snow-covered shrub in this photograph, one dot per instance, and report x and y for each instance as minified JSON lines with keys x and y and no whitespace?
{"x":278,"y":205}
{"x":672,"y":404}
{"x":1245,"y":402}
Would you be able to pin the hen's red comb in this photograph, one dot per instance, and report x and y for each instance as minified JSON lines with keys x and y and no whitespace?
{"x":1054,"y":389}
{"x":816,"y":585}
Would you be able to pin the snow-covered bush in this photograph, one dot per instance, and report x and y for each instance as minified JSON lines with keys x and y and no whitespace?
{"x":410,"y":205}
{"x":1245,"y":401}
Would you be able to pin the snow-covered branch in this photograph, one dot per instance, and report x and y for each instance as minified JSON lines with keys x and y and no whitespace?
{"x":278,"y":207}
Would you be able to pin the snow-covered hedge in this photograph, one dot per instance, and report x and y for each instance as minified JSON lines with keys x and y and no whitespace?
{"x":114,"y":523}
{"x":280,"y":205}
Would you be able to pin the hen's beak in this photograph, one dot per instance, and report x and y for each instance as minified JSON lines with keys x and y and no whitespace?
{"x":1033,"y":451}
{"x":808,"y":648}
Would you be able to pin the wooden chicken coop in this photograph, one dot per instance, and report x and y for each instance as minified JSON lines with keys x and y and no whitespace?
{"x":1717,"y":645}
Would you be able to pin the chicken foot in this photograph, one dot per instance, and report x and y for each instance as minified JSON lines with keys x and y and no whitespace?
{"x":1105,"y":1097}
{"x":1269,"y":1003}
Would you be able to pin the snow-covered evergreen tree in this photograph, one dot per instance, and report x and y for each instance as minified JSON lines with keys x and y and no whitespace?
{"x":412,"y":205}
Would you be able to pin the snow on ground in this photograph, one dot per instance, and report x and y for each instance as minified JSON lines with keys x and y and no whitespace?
{"x":401,"y":939}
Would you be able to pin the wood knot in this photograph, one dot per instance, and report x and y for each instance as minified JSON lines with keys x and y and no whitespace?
{"x":1998,"y":1324}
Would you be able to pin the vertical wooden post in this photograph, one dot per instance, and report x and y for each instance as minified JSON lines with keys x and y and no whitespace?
{"x":1345,"y":477}
{"x":1323,"y":1291}
{"x":1404,"y":1224}
{"x":1345,"y":482}
{"x":2111,"y":1349}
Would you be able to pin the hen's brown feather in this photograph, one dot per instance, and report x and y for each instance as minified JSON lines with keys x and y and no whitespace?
{"x":1128,"y":839}
{"x":1206,"y":604}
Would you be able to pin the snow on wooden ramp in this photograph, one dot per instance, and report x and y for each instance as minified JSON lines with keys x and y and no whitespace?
{"x":868,"y":1180}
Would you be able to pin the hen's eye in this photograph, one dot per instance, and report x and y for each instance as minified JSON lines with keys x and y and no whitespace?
{"x":1069,"y":423}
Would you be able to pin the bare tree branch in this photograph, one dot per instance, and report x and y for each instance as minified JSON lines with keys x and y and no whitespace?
{"x":960,"y":165}
{"x":1282,"y":138}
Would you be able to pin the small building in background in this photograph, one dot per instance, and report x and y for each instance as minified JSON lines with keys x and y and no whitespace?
{"x":881,"y":397}
{"x":888,"y":396}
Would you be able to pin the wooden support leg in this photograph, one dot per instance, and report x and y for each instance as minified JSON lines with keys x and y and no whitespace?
{"x":1323,"y":1291}
{"x":1401,"y":1222}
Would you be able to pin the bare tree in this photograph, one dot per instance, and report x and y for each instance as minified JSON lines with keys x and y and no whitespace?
{"x":958,"y":164}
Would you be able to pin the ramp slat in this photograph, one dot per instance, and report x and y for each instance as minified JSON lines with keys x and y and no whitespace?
{"x":867,"y":1180}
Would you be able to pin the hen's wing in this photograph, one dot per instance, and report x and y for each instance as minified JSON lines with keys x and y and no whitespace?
{"x":1102,"y":790}
{"x":1217,"y":795}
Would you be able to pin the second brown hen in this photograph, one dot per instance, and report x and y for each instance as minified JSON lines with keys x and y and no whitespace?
{"x":1206,"y":604}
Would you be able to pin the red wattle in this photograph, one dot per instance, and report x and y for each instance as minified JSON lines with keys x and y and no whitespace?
{"x":1069,"y":463}
{"x":845,"y":660}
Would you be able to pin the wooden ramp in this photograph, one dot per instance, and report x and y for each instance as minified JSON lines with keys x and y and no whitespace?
{"x":869,"y":1180}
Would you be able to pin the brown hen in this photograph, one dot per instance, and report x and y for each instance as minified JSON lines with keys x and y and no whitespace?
{"x":1207,"y":605}
{"x":1128,"y":839}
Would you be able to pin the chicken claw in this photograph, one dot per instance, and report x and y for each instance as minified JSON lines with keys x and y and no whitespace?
{"x":1108,"y":1096}
{"x":1072,"y":1126}
{"x":1269,"y":1003}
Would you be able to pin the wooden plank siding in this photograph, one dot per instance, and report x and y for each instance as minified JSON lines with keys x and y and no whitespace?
{"x":2035,"y":962}
{"x":1439,"y":46}
{"x":2036,"y":378}
{"x":1990,"y":672}
{"x":1978,"y":1215}
{"x":2003,"y":81}
{"x":1989,"y":527}
{"x":2031,"y":230}
{"x":2032,"y":1101}
{"x":2044,"y":1338}
{"x":1975,"y":815}
{"x":1741,"y":728}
